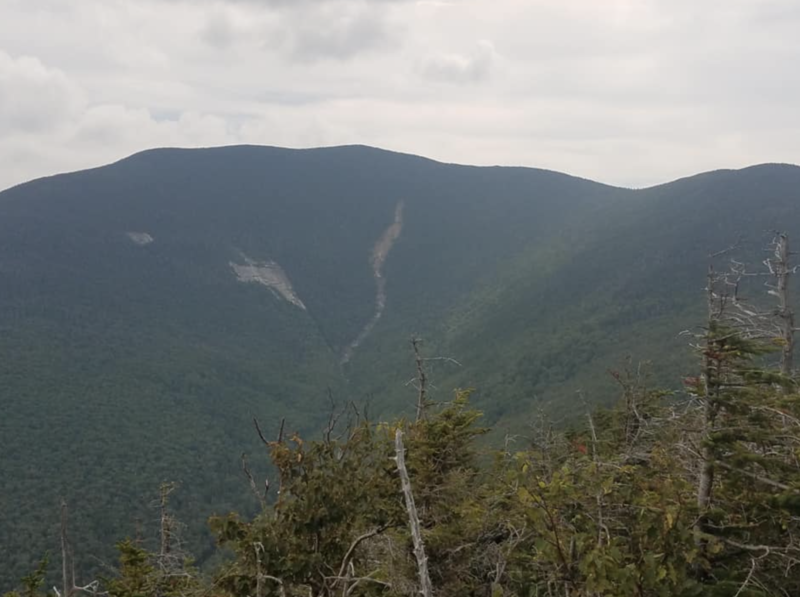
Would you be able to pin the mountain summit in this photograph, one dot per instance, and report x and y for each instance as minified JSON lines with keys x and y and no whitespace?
{"x":151,"y":307}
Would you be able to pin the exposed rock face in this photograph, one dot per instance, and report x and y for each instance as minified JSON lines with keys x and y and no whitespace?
{"x":269,"y":274}
{"x":140,"y":238}
{"x":377,"y":258}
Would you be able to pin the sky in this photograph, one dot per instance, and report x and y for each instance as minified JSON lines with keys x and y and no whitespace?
{"x":627,"y":92}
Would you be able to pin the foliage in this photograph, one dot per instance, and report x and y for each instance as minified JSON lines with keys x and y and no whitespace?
{"x":32,"y":583}
{"x":125,"y":365}
{"x":142,"y":574}
{"x":330,"y":493}
{"x":607,"y":508}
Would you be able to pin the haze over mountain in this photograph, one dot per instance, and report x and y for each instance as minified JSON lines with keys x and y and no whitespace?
{"x":151,"y":307}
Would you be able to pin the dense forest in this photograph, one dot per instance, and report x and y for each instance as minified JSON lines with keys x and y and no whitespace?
{"x":127,"y":333}
{"x":683,"y":492}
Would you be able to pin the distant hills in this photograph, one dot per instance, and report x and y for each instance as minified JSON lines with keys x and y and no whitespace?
{"x":150,"y":308}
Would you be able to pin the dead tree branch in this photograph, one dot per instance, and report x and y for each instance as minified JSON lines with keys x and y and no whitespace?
{"x":749,"y":577}
{"x":261,"y":434}
{"x":422,"y":380}
{"x":262,"y":498}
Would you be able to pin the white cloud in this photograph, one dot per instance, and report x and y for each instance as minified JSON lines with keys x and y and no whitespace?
{"x":337,"y":32}
{"x":458,"y":68}
{"x":219,"y":30}
{"x":34,"y":97}
{"x":117,"y":126}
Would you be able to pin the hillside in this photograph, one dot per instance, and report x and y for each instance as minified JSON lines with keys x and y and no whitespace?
{"x":151,"y":307}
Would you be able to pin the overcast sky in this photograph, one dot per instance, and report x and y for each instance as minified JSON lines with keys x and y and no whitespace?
{"x":629,"y":92}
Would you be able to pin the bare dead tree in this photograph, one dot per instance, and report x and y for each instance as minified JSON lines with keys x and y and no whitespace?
{"x":728,"y":316}
{"x":718,"y":297}
{"x":171,"y":559}
{"x":425,"y":587}
{"x":335,"y":415}
{"x":67,"y":582}
{"x":68,"y":585}
{"x":780,"y":268}
{"x":731,"y":320}
{"x":166,"y":522}
{"x":270,"y":446}
{"x":602,"y":531}
{"x":546,"y":443}
{"x":422,"y":380}
{"x":757,"y":323}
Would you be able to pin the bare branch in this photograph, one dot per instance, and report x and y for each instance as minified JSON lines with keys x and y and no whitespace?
{"x":759,"y":478}
{"x":261,"y":498}
{"x":260,"y":434}
{"x":260,"y":576}
{"x":730,"y":249}
{"x":749,"y":577}
{"x":445,"y":359}
{"x":348,"y":556}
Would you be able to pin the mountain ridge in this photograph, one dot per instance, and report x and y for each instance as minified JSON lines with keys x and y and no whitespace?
{"x":156,"y":151}
{"x":135,"y":353}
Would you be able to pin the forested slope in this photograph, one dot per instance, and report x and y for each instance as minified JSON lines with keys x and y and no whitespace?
{"x":133,"y":353}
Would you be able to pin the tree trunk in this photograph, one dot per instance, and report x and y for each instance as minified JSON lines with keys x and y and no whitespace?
{"x":782,"y":272}
{"x":712,"y":373}
{"x":425,"y":588}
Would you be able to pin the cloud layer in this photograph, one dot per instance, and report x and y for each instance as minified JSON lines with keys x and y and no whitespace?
{"x":631,"y":92}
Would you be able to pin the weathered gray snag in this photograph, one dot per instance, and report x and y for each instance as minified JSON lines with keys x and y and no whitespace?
{"x":425,"y":588}
{"x":779,"y":267}
{"x":166,"y":523}
{"x":712,"y":380}
{"x":68,"y":585}
{"x":422,"y":380}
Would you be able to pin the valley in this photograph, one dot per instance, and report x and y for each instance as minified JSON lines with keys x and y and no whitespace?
{"x":151,"y":308}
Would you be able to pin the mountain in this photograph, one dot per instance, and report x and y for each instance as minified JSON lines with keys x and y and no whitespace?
{"x":150,"y":308}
